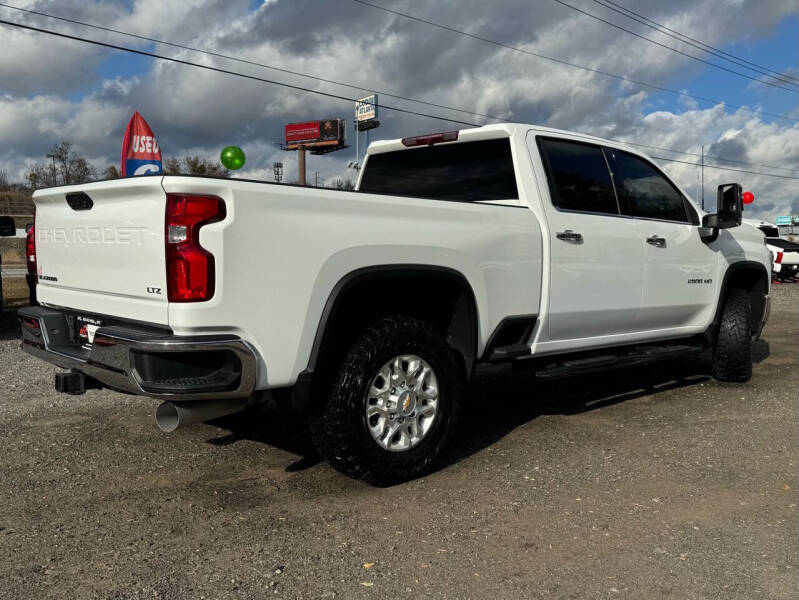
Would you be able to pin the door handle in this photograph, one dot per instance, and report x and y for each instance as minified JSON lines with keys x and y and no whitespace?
{"x":570,"y":236}
{"x":656,"y":241}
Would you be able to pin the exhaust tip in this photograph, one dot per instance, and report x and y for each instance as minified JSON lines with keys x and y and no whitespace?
{"x":167,"y":417}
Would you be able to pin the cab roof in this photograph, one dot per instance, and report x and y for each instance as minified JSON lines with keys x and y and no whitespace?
{"x":488,"y":132}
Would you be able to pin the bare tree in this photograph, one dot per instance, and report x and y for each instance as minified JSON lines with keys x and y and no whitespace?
{"x":40,"y":176}
{"x":67,"y":167}
{"x":111,"y":172}
{"x":3,"y":180}
{"x":342,"y":184}
{"x":194,"y":165}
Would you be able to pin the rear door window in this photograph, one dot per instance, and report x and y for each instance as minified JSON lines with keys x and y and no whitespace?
{"x":646,"y":191}
{"x":579,"y":178}
{"x":465,"y":172}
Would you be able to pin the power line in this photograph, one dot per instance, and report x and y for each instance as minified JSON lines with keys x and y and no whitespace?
{"x":352,"y":86}
{"x":714,"y":157}
{"x":667,"y":47}
{"x":249,"y":62}
{"x":707,"y":166}
{"x":567,"y":63}
{"x":738,"y":60}
{"x":686,"y":39}
{"x":300,"y":88}
{"x":220,"y":70}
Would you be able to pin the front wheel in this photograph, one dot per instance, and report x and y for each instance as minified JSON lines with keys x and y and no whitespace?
{"x":393,"y":404}
{"x":732,"y":356}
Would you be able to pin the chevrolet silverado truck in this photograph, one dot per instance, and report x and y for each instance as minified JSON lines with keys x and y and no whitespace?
{"x":369,"y":310}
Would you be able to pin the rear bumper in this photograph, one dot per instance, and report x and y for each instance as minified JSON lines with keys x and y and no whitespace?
{"x":144,"y":361}
{"x":785,"y":269}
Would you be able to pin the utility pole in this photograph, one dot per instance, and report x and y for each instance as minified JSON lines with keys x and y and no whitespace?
{"x":301,"y":156}
{"x":357,"y":138}
{"x":316,"y":179}
{"x":703,"y":177}
{"x":696,"y":189}
{"x":55,"y":183}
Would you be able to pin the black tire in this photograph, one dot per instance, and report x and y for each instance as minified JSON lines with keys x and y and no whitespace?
{"x":341,"y":433}
{"x":732,"y":356}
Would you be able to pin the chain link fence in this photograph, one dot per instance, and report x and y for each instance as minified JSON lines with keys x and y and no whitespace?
{"x":12,"y":249}
{"x":13,"y":283}
{"x":15,"y":292}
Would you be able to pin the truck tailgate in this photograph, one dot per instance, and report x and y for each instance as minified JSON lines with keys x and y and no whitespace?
{"x":100,"y":248}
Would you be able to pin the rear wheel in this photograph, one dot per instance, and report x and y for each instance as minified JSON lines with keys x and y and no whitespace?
{"x":393,"y":404}
{"x":732,"y":356}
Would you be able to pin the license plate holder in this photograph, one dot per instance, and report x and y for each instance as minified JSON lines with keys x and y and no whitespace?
{"x":85,"y":328}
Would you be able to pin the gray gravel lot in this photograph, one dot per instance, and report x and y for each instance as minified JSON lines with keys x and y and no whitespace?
{"x":656,"y":482}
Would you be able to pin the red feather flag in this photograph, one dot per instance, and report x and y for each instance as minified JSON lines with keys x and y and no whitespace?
{"x":140,"y":152}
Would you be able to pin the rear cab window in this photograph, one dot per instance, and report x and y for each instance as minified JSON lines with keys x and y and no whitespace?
{"x":769,"y":231}
{"x":463,"y":172}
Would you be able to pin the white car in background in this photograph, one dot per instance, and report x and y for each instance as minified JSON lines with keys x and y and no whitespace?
{"x":784,"y":253}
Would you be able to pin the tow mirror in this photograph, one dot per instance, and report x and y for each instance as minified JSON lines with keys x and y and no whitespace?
{"x":730,"y":205}
{"x":709,"y":230}
{"x":7,"y":227}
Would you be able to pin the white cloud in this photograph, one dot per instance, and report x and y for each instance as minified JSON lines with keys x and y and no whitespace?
{"x":197,"y":111}
{"x":30,"y":64}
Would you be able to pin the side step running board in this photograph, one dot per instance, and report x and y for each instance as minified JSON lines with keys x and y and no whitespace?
{"x":635,"y":356}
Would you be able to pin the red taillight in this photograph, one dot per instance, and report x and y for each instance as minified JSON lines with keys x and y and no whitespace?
{"x":30,"y":323}
{"x":101,"y":340}
{"x":190,"y":268}
{"x":30,"y":248}
{"x":778,"y":260}
{"x":429,"y":140}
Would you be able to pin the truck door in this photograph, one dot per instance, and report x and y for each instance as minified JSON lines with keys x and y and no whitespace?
{"x":596,"y":253}
{"x":679,"y":268}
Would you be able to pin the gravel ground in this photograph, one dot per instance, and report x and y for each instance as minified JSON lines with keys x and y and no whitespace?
{"x":647,"y":483}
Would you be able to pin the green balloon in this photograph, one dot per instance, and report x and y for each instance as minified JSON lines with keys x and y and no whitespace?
{"x":232,"y":157}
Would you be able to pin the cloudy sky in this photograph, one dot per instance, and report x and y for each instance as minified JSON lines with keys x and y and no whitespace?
{"x":53,"y":89}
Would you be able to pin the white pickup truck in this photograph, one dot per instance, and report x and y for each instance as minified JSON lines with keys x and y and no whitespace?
{"x":370,"y":309}
{"x":784,"y":253}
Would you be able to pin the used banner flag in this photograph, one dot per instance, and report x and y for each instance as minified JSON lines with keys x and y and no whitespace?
{"x":140,"y":152}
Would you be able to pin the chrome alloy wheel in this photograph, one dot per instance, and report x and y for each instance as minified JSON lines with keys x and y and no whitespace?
{"x":402,"y":402}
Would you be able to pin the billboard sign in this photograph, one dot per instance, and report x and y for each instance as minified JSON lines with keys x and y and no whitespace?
{"x":140,"y":152}
{"x":784,"y":220}
{"x":366,"y":108}
{"x":329,"y":132}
